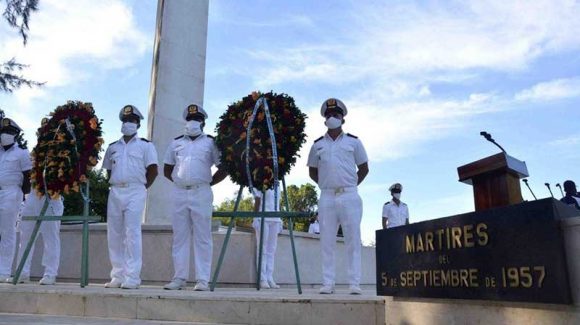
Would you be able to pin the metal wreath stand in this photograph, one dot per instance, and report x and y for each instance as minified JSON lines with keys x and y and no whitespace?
{"x":261,"y":103}
{"x":84,"y":219}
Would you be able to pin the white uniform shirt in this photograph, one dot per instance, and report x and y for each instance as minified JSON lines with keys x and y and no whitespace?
{"x":192,"y":159}
{"x":397,"y":214}
{"x":128,"y":162}
{"x":270,"y":206}
{"x":337,"y":160}
{"x":13,"y":162}
{"x":314,"y":228}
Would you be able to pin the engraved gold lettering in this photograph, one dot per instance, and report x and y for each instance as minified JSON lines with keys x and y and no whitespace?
{"x":481,"y":230}
{"x":456,"y":234}
{"x":468,"y":236}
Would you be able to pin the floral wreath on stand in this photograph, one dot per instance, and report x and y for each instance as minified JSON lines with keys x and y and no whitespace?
{"x":69,"y":145}
{"x":288,"y":124}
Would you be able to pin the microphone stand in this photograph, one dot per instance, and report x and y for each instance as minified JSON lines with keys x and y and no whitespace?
{"x":529,"y":188}
{"x":560,"y":187}
{"x":549,"y":189}
{"x":488,"y":137}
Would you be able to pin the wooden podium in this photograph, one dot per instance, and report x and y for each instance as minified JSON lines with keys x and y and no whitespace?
{"x":495,"y":180}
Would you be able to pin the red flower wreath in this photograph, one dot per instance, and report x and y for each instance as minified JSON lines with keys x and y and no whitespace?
{"x":288,"y":124}
{"x":68,"y":146}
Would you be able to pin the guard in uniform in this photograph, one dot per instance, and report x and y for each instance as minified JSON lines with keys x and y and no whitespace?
{"x":395,"y":212}
{"x":338,"y":163}
{"x":131,"y":164}
{"x":571,"y":198}
{"x":15,"y":166}
{"x":272,"y":227}
{"x":187,"y":164}
{"x":50,"y":231}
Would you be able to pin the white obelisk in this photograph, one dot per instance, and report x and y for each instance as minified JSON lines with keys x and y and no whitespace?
{"x":177,"y":80}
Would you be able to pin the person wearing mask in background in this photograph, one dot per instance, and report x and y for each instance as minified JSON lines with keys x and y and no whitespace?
{"x":15,"y":166}
{"x":131,"y":164}
{"x":272,"y":227}
{"x":187,"y":163}
{"x":314,"y":227}
{"x":338,"y":163}
{"x":571,"y":198}
{"x":395,"y":212}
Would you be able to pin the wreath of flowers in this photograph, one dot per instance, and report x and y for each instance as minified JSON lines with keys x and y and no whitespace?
{"x":288,"y":125}
{"x":69,"y":145}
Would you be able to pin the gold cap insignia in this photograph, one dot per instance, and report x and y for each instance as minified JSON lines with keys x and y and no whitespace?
{"x":127,"y":110}
{"x":331,"y":103}
{"x":192,"y":109}
{"x":6,"y":122}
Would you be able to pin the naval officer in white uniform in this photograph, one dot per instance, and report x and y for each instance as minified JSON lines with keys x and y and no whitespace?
{"x":131,"y":164}
{"x":338,"y":163}
{"x":187,"y":164}
{"x":15,"y":166}
{"x":395,"y":212}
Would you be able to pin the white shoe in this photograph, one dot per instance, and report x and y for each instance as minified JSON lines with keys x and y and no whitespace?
{"x":129,"y":286}
{"x":47,"y":280}
{"x":327,"y":290}
{"x":175,"y":284}
{"x":201,"y":286}
{"x":264,"y":285}
{"x":354,"y":290}
{"x":273,"y":284}
{"x":115,"y":283}
{"x":22,"y":279}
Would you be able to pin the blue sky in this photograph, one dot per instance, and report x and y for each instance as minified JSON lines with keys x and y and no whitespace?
{"x":421,"y":80}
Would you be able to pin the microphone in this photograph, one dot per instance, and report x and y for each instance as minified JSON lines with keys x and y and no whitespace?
{"x":529,"y":188}
{"x":560,"y":187}
{"x":488,"y":137}
{"x":549,"y":189}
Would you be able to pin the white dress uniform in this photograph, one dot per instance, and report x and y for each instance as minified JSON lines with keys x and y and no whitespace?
{"x":272,"y":227}
{"x":50,"y":231}
{"x":127,"y":163}
{"x":314,"y":228}
{"x":192,"y":203}
{"x":13,"y":162}
{"x":396,"y":214}
{"x":337,"y":162}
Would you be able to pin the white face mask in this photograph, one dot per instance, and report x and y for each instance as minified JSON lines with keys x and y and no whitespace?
{"x":7,"y":139}
{"x":129,"y":128}
{"x":397,"y":196}
{"x":193,"y":128}
{"x":333,"y":123}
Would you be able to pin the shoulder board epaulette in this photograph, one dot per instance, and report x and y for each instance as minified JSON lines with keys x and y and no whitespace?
{"x":352,"y":136}
{"x":387,"y":202}
{"x":112,"y":143}
{"x":318,"y":139}
{"x":145,"y":140}
{"x":210,"y":136}
{"x":179,"y":137}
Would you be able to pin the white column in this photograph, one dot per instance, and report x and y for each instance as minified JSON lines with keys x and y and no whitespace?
{"x":177,"y":79}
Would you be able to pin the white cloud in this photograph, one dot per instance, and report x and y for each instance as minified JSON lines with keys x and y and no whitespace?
{"x":70,"y":38}
{"x":551,"y":90}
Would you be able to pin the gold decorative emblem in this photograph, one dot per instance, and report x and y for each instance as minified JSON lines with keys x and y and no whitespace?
{"x":331,"y":103}
{"x":127,"y":110}
{"x":6,"y":122}
{"x":192,"y":109}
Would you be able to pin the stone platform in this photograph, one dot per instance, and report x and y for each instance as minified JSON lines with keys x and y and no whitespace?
{"x":223,"y":306}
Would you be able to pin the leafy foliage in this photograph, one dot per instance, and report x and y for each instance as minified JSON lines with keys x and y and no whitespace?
{"x":99,"y":192}
{"x":10,"y":77}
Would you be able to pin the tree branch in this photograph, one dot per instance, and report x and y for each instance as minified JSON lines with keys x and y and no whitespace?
{"x":17,"y":13}
{"x":11,"y":79}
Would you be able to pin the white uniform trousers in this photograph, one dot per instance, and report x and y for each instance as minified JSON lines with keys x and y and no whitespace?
{"x":191,"y":216}
{"x":124,"y":211}
{"x":271,"y":231}
{"x":50,"y":231}
{"x":344,"y":208}
{"x":10,"y":200}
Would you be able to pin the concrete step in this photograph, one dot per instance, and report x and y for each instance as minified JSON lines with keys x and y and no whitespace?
{"x":30,"y":319}
{"x":224,"y":306}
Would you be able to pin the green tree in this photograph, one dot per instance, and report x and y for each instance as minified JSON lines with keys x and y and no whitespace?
{"x":17,"y":14}
{"x":98,"y":193}
{"x":246,"y":204}
{"x":301,"y":199}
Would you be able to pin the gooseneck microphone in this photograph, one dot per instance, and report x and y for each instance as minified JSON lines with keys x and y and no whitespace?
{"x":529,"y":188}
{"x":488,"y":137}
{"x":549,"y":189}
{"x":560,"y":187}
